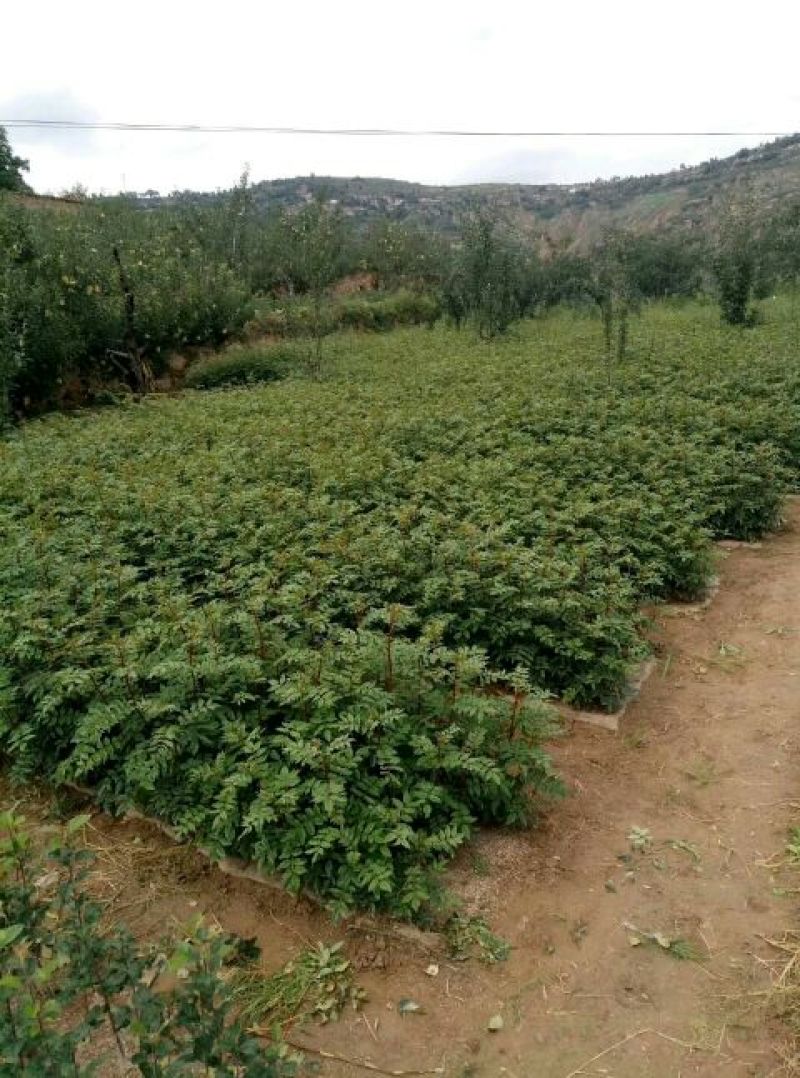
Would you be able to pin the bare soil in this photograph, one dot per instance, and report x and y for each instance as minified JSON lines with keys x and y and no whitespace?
{"x":704,"y":765}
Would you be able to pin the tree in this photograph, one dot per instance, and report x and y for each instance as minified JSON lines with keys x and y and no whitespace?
{"x":565,"y":277}
{"x":399,"y":253}
{"x":665,"y":264}
{"x":11,"y":167}
{"x":614,"y":291}
{"x":493,"y":281}
{"x":239,"y":208}
{"x":16,"y":254}
{"x":781,"y":245}
{"x":734,"y":259}
{"x":316,"y":238}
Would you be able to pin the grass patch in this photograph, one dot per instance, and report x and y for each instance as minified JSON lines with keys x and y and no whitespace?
{"x":244,"y":364}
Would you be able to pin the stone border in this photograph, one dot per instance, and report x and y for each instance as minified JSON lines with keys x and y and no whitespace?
{"x":610,"y":720}
{"x":429,"y":941}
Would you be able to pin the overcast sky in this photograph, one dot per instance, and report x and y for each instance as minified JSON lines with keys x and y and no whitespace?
{"x":580,"y":65}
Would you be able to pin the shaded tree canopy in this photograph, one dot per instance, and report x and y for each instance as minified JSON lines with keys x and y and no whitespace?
{"x":11,"y":167}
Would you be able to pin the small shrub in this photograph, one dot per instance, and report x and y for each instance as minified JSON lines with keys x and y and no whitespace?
{"x":377,"y":313}
{"x":68,"y":979}
{"x":747,"y":497}
{"x":403,"y":308}
{"x":360,"y":314}
{"x":243,"y":365}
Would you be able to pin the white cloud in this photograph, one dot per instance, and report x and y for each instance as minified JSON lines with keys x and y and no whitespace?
{"x":504,"y":65}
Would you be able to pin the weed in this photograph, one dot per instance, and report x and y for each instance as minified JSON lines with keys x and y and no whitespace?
{"x":684,"y":847}
{"x":244,"y":365}
{"x":480,"y":864}
{"x":640,"y":839}
{"x":685,"y":950}
{"x":793,"y":846}
{"x":318,"y":983}
{"x":579,"y":931}
{"x":677,"y":947}
{"x":636,"y":738}
{"x":470,"y":937}
{"x":702,"y":772}
{"x":728,"y":657}
{"x":674,"y":796}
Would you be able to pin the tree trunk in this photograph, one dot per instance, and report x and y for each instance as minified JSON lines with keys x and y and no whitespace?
{"x":140,"y":369}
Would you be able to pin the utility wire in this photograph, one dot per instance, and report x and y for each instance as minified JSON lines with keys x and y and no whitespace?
{"x":235,"y":129}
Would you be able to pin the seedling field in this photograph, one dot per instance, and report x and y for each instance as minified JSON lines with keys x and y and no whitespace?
{"x":315,"y":623}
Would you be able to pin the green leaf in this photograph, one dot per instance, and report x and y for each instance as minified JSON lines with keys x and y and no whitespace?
{"x":77,"y":823}
{"x":9,"y":934}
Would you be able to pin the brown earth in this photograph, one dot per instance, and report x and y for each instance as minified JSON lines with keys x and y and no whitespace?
{"x":354,"y":283}
{"x":705,"y":765}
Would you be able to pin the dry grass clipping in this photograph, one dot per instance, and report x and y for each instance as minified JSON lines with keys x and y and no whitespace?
{"x":780,"y":1001}
{"x":130,"y":875}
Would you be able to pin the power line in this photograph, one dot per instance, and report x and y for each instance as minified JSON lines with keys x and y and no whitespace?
{"x":243,"y":129}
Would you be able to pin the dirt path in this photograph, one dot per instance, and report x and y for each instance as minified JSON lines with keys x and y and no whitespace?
{"x":706,"y":763}
{"x":705,"y":766}
{"x":708,"y":757}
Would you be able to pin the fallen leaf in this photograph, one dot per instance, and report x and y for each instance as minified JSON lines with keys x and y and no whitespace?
{"x":46,"y":881}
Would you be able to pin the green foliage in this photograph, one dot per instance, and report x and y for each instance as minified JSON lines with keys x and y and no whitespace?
{"x":470,"y":937}
{"x":11,"y":167}
{"x":614,"y":291}
{"x":402,"y":308}
{"x":16,"y":252}
{"x":312,"y":623}
{"x":566,"y":277}
{"x":780,"y":245}
{"x":244,"y":364}
{"x":318,"y":983}
{"x":66,"y":979}
{"x":401,"y":254}
{"x":734,"y":260}
{"x":655,"y":266}
{"x":316,"y":242}
{"x":793,"y":846}
{"x":491,"y":283}
{"x":285,"y":317}
{"x":62,"y":311}
{"x":663,"y":264}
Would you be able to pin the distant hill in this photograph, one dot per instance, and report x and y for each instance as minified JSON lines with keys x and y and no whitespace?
{"x":570,"y":213}
{"x":680,"y":198}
